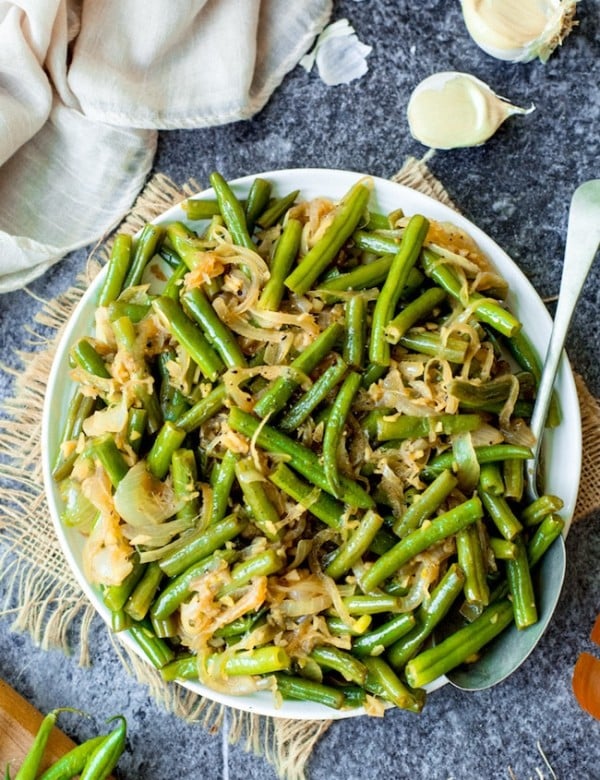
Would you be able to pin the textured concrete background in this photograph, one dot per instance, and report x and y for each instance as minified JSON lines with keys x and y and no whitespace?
{"x":517,"y":188}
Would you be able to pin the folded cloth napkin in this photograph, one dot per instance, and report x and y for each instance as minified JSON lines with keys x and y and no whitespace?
{"x":84,"y":87}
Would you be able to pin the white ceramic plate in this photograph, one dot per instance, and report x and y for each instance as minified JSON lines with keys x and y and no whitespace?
{"x":562,"y":445}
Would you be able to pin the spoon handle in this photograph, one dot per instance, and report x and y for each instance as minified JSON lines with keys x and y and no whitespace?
{"x":583,"y":238}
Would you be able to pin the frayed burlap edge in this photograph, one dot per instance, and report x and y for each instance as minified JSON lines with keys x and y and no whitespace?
{"x":42,"y":593}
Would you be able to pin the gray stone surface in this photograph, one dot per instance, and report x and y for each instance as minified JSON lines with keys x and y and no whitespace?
{"x":517,"y":188}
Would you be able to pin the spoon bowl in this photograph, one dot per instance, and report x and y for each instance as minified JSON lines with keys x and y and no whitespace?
{"x":513,"y":647}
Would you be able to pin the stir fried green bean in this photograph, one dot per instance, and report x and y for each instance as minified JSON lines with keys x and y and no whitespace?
{"x":295,"y":459}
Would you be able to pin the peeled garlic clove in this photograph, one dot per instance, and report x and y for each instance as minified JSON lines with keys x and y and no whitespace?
{"x":519,"y":30}
{"x":339,"y":55}
{"x":449,"y":110}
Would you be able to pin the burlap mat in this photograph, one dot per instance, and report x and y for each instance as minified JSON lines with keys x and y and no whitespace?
{"x":42,"y":593}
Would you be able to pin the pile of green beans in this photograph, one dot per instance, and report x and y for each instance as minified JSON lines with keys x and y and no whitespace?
{"x":93,"y":759}
{"x":387,"y":446}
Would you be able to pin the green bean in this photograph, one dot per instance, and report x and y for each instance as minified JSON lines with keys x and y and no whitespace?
{"x":232,"y":211}
{"x":521,"y":586}
{"x":355,"y":546}
{"x":143,"y":594}
{"x":485,"y":454}
{"x":81,"y":407}
{"x":242,"y":625}
{"x":115,"y":596}
{"x":490,"y":479}
{"x":170,"y":256}
{"x":324,"y":251}
{"x":471,"y":560}
{"x":189,"y":335}
{"x":356,"y":331}
{"x":174,"y":283}
{"x":261,"y":660}
{"x":186,"y":243}
{"x":345,"y":664}
{"x":116,"y":269}
{"x":179,"y":587}
{"x":71,"y":764}
{"x":316,"y":393}
{"x":185,"y":475}
{"x":372,"y":374}
{"x":502,"y":549}
{"x":217,"y":333}
{"x":264,"y":513}
{"x":111,"y":458}
{"x":430,"y":614}
{"x":156,"y":650}
{"x":459,"y":646}
{"x":31,"y":763}
{"x":286,"y":251}
{"x":145,"y":248}
{"x":133,"y":311}
{"x":514,"y":479}
{"x":414,"y":312}
{"x":376,"y":243}
{"x":383,"y":541}
{"x":540,"y":508}
{"x":302,"y":459}
{"x":320,"y":504}
{"x":385,"y":305}
{"x":362,"y":277}
{"x":334,"y":429}
{"x":199,"y":545}
{"x":371,"y":604}
{"x":354,"y":695}
{"x":359,"y":626}
{"x":169,"y":440}
{"x":523,"y":352}
{"x":504,"y":519}
{"x":276,"y":210}
{"x":105,"y":756}
{"x":376,"y":641}
{"x":420,"y":539}
{"x":88,"y":358}
{"x":426,"y":503}
{"x":165,"y":628}
{"x":383,"y":681}
{"x":280,"y":391}
{"x":197,"y":209}
{"x":454,"y":349}
{"x":203,"y":409}
{"x":185,"y":668}
{"x":485,"y":309}
{"x":307,"y":690}
{"x":475,"y":393}
{"x":257,"y":201}
{"x":406,"y":426}
{"x":260,"y":565}
{"x":222,"y":479}
{"x":547,"y":531}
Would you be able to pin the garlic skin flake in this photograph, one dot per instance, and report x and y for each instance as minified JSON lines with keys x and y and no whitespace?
{"x":449,"y":110}
{"x":339,"y":55}
{"x":519,"y":30}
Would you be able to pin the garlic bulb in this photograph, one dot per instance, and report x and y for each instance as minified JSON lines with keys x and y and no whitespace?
{"x":450,"y":109}
{"x":519,"y":30}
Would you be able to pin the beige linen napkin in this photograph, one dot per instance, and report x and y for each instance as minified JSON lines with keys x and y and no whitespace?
{"x":86,"y":85}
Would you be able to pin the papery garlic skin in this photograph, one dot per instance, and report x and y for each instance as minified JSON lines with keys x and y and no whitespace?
{"x":450,"y":110}
{"x":519,"y":30}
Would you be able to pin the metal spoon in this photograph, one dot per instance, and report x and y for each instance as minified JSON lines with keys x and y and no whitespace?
{"x":513,"y":647}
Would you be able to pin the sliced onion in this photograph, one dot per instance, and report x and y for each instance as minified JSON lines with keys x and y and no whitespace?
{"x":141,"y":499}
